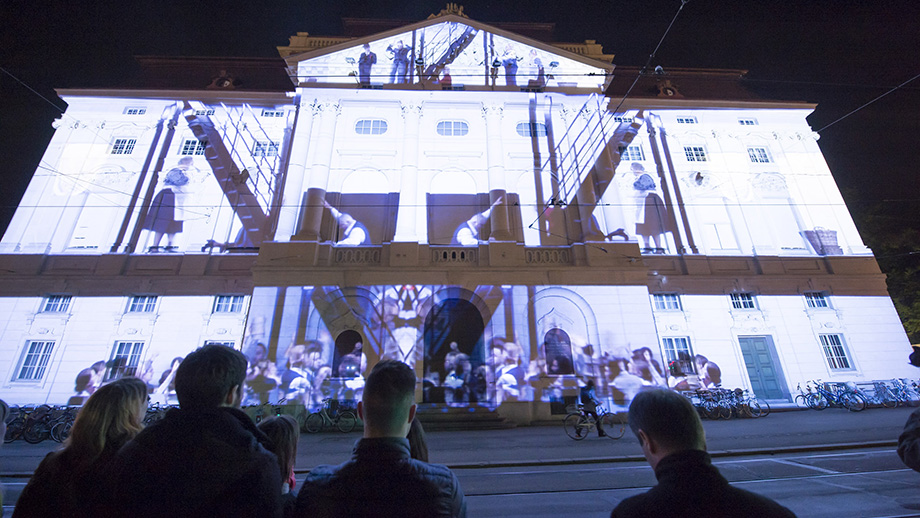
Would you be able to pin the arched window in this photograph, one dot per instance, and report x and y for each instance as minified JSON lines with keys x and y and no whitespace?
{"x":371,"y":127}
{"x":453,"y":128}
{"x":531,"y":129}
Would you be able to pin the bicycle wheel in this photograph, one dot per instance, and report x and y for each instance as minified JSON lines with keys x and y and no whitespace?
{"x":711,"y":409}
{"x":854,"y":402}
{"x":762,"y":405}
{"x":817,"y":401}
{"x":614,"y":425}
{"x":61,"y":430}
{"x":314,"y":423}
{"x":888,"y":399}
{"x":911,"y":397}
{"x":13,"y":430}
{"x":801,"y":401}
{"x":345,"y":422}
{"x":36,"y":433}
{"x":575,"y":426}
{"x":725,"y":411}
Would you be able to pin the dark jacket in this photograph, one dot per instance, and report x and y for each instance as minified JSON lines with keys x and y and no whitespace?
{"x":198,"y":463}
{"x":61,"y":487}
{"x":909,"y":442}
{"x":381,"y":480}
{"x":690,"y":486}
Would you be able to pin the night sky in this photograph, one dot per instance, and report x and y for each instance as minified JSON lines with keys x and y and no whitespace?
{"x":839,"y":54}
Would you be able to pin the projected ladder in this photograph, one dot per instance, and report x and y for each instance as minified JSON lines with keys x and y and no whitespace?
{"x":592,"y":131}
{"x":448,"y":51}
{"x":249,"y":192}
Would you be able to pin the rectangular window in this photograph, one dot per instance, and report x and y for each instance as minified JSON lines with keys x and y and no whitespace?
{"x":192,"y":147}
{"x":135,"y":111}
{"x":815,"y":299}
{"x":673,"y":347}
{"x":56,"y":304}
{"x":666,"y":301}
{"x":759,"y":155}
{"x":228,"y":304}
{"x":686,"y":120}
{"x":126,"y":356}
{"x":265,"y":148}
{"x":209,"y":111}
{"x":273,"y":113}
{"x":743,"y":301}
{"x":142,"y":304}
{"x":123,"y":146}
{"x":835,"y":352}
{"x":747,"y":122}
{"x":35,"y":359}
{"x":695,"y":153}
{"x":632,"y":153}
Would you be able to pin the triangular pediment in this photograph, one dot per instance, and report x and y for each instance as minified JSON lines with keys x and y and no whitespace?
{"x":449,"y":51}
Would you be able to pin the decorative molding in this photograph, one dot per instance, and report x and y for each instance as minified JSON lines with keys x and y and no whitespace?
{"x":410,"y":109}
{"x":355,"y":255}
{"x":455,"y":255}
{"x":548,"y":256}
{"x":490,"y":110}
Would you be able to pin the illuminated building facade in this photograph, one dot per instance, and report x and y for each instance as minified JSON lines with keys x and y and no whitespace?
{"x":474,"y":202}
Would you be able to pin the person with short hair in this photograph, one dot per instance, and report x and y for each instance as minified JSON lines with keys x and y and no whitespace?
{"x":69,"y":482}
{"x":205,"y":458}
{"x":381,"y":479}
{"x":673,"y":441}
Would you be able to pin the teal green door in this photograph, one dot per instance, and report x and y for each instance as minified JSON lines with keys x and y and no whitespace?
{"x":761,"y":361}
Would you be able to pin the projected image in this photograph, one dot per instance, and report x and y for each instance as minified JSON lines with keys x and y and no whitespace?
{"x":307,"y":343}
{"x":448,"y":54}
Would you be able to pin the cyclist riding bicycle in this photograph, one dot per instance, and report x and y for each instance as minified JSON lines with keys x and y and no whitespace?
{"x":589,"y":401}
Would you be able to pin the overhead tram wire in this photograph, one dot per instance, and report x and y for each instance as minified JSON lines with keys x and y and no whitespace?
{"x":868,"y":103}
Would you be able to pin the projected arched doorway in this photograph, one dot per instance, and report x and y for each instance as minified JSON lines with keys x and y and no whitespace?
{"x":348,"y":360}
{"x":453,"y":352}
{"x":558,"y":349}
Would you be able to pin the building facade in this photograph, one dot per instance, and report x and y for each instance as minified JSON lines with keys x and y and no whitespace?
{"x":488,"y":208}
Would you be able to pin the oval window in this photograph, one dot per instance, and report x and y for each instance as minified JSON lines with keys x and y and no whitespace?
{"x":371,"y":127}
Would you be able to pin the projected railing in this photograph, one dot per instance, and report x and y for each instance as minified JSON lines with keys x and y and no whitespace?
{"x":443,"y":47}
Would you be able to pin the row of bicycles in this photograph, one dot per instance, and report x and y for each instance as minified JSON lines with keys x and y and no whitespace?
{"x":37,"y":423}
{"x":818,"y":395}
{"x":336,"y":414}
{"x":721,"y":403}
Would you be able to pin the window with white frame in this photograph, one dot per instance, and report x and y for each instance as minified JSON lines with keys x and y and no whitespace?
{"x":123,"y":146}
{"x":229,"y":344}
{"x":209,"y":111}
{"x":836,"y":352}
{"x":228,"y":303}
{"x":142,"y":304}
{"x":632,"y":153}
{"x":742,"y":301}
{"x":674,"y":346}
{"x":35,"y":359}
{"x":133,"y":110}
{"x":747,"y":122}
{"x":531,"y":129}
{"x":759,"y":155}
{"x":371,"y":127}
{"x":265,"y":148}
{"x":686,"y":119}
{"x":56,"y":304}
{"x":695,"y":153}
{"x":273,"y":113}
{"x":452,"y":128}
{"x":126,"y":356}
{"x":666,"y":301}
{"x":192,"y":147}
{"x":816,"y":299}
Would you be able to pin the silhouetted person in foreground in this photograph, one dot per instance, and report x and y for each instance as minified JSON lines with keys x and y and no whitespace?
{"x":205,"y":458}
{"x":381,"y":479}
{"x":672,"y":439}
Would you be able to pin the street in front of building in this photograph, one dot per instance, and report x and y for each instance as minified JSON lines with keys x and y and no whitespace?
{"x":831,"y":463}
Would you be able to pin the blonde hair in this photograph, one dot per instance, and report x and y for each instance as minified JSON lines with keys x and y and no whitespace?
{"x":110,"y":417}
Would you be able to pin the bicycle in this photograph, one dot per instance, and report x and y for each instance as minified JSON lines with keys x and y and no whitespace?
{"x":578,"y":424}
{"x":331,"y":415}
{"x":842,"y":397}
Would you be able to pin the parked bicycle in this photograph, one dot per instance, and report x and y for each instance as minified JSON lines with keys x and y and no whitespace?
{"x":579,"y":424}
{"x":331,"y":415}
{"x":720,"y":403}
{"x":840,"y":397}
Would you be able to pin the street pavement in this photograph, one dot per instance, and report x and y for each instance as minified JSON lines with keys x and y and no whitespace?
{"x":831,"y":463}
